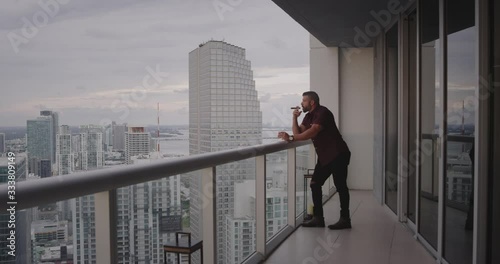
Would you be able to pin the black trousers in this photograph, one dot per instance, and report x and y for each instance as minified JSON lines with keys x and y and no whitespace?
{"x":338,"y":167}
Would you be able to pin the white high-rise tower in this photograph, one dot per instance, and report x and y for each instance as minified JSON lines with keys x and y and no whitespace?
{"x":224,"y":113}
{"x":137,"y":142}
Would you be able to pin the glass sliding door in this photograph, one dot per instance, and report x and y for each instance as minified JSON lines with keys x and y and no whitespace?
{"x":461,"y":108}
{"x":412,"y":116}
{"x":391,"y":119}
{"x":494,"y":210}
{"x":431,"y":113}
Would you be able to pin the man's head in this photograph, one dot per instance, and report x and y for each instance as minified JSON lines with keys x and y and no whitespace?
{"x":310,"y":100}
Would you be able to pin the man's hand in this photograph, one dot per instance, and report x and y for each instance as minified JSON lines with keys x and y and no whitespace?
{"x":296,"y":113}
{"x":283,"y":135}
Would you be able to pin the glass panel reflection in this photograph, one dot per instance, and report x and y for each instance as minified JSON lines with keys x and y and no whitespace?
{"x":412,"y":116}
{"x":431,"y":117}
{"x":459,"y":178}
{"x":391,"y":137}
{"x":302,"y":163}
{"x":276,"y":193}
{"x":148,"y":215}
{"x":235,"y":205}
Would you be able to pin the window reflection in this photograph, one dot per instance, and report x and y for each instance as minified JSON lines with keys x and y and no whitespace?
{"x":431,"y":116}
{"x":391,"y":141}
{"x":459,"y":178}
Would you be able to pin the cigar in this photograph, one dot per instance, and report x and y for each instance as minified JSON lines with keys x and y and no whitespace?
{"x":295,"y":108}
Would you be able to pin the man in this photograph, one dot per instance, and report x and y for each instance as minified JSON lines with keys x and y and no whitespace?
{"x":333,"y":157}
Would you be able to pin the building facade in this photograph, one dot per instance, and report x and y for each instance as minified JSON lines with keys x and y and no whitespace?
{"x":39,"y":142}
{"x":64,"y":154}
{"x":224,"y":113}
{"x":84,"y":238}
{"x":142,"y":213}
{"x":119,"y":136}
{"x":3,"y":148}
{"x":91,"y":150}
{"x":137,"y":142}
{"x":55,"y":130}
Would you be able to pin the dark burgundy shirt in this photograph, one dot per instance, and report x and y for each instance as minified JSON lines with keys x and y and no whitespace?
{"x":329,"y":143}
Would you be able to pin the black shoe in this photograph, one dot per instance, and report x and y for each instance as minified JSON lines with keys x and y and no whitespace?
{"x":343,"y":223}
{"x":315,"y":222}
{"x":308,"y":217}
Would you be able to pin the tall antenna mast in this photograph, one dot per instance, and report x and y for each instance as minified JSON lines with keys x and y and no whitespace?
{"x":463,"y":117}
{"x":463,"y":123}
{"x":158,"y":131}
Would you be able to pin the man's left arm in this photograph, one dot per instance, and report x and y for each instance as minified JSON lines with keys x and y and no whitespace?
{"x":308,"y":134}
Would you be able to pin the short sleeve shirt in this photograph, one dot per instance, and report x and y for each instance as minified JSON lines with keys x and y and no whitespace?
{"x":329,"y":143}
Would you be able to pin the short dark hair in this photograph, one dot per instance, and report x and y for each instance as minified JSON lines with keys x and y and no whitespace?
{"x":312,"y":95}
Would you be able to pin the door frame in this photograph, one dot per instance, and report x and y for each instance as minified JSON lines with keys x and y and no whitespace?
{"x":483,"y":138}
{"x":405,"y":110}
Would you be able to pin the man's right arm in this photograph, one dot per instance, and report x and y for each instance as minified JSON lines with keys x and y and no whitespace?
{"x":296,"y":128}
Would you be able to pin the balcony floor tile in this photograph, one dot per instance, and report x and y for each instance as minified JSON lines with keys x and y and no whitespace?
{"x":376,"y":237}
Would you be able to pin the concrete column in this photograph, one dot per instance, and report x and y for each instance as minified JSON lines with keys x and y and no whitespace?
{"x":356,"y":113}
{"x":105,"y":226}
{"x":344,"y":80}
{"x":324,"y":64}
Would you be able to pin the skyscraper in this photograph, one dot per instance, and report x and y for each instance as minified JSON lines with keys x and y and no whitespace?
{"x":64,"y":155}
{"x":65,"y":163}
{"x":55,"y":129}
{"x":91,"y":154}
{"x":40,"y":142}
{"x":45,"y":168}
{"x":142,"y":211}
{"x":2,"y":144}
{"x":224,"y":113}
{"x":137,"y":142}
{"x":84,"y":229}
{"x":119,"y":137}
{"x":76,"y":148}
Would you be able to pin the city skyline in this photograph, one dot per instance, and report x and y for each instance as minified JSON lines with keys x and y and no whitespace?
{"x":156,"y":38}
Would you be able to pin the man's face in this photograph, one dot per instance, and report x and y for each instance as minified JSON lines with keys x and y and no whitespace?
{"x":306,"y":104}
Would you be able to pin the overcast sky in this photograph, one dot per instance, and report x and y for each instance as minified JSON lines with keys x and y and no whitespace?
{"x":89,"y":59}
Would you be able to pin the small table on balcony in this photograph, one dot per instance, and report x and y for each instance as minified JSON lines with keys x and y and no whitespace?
{"x":183,"y":247}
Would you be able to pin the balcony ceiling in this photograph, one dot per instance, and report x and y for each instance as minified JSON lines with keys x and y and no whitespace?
{"x":333,"y":22}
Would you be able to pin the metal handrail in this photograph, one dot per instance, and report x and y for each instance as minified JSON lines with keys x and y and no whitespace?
{"x":451,"y":138}
{"x":59,"y":188}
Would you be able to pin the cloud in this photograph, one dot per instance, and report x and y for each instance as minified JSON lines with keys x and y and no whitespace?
{"x":262,"y":76}
{"x":102,"y":34}
{"x":265,"y":98}
{"x":94,"y":52}
{"x":181,"y":91}
{"x":276,"y":43}
{"x":183,"y":111}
